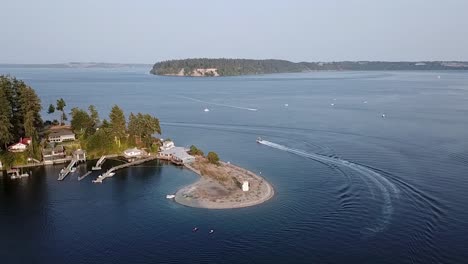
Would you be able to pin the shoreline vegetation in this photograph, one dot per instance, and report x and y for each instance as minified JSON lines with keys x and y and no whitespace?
{"x":206,"y":67}
{"x":220,"y":187}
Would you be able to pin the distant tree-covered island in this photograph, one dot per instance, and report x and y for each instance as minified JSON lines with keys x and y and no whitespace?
{"x":205,"y":67}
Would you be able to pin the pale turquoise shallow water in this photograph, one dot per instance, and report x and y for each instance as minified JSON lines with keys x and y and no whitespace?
{"x":351,"y":186}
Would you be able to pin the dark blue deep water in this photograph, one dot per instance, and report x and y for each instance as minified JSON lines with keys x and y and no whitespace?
{"x":351,"y":186}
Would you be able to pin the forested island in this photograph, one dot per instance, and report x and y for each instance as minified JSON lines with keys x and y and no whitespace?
{"x":205,"y":67}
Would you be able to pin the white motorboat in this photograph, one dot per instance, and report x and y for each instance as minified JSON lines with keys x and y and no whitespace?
{"x":170,"y":196}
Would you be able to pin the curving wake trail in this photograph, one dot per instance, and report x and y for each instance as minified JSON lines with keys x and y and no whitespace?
{"x":223,"y":105}
{"x":388,"y":190}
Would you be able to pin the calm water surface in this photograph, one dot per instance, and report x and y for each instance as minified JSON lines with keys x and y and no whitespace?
{"x":351,"y":186}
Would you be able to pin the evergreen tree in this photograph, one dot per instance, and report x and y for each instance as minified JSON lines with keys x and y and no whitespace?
{"x":61,"y":107}
{"x":143,"y":126}
{"x":81,"y":122}
{"x":51,"y":109}
{"x":94,"y":115}
{"x":30,"y":108}
{"x":5,"y":115}
{"x":117,"y":123}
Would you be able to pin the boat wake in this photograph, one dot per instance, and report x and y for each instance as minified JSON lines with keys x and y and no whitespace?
{"x":217,"y":104}
{"x":387,"y":189}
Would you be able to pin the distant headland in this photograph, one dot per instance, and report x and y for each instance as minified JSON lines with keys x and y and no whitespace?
{"x":204,"y":67}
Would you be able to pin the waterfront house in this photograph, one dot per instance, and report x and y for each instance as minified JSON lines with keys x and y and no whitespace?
{"x":134,"y":153}
{"x":168,"y":144}
{"x":61,"y":135}
{"x":177,"y":155}
{"x":52,"y":155}
{"x":21,"y":146}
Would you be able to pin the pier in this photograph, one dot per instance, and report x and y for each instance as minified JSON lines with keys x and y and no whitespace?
{"x":78,"y":156}
{"x":111,"y":171}
{"x":101,"y":161}
{"x":64,"y":172}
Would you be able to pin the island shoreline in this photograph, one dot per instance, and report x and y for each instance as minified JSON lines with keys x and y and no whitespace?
{"x":181,"y":194}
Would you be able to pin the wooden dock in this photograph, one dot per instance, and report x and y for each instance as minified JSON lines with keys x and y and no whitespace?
{"x":64,"y":172}
{"x":112,"y":170}
{"x":101,"y":161}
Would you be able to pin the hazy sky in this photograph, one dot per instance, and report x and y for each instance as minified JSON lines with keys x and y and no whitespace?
{"x":52,"y":31}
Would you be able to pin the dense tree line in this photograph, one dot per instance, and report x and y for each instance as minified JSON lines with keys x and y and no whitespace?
{"x":226,"y":67}
{"x":233,"y":67}
{"x":116,"y":133}
{"x":20,"y":109}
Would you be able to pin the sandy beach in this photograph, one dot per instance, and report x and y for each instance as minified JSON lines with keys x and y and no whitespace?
{"x":218,"y":187}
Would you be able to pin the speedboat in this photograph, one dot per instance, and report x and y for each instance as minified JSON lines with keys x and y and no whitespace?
{"x":259,"y":140}
{"x":211,"y":231}
{"x":170,"y":196}
{"x":206,"y":110}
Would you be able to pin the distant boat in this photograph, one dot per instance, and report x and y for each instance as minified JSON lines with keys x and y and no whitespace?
{"x":365,"y":102}
{"x":170,"y":196}
{"x":259,"y":140}
{"x":332,"y":104}
{"x":211,"y":231}
{"x":383,"y":115}
{"x":195,"y":229}
{"x":206,"y":110}
{"x":286,"y":105}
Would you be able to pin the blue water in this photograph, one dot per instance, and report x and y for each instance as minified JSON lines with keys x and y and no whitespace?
{"x":351,"y":186}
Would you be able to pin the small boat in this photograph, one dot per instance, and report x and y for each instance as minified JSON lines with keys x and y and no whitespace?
{"x":259,"y":140}
{"x":170,"y":196}
{"x":383,"y":115}
{"x":206,"y":110}
{"x":195,"y":229}
{"x":211,"y":231}
{"x":332,"y":104}
{"x":73,"y":169}
{"x":286,"y":105}
{"x":15,"y":174}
